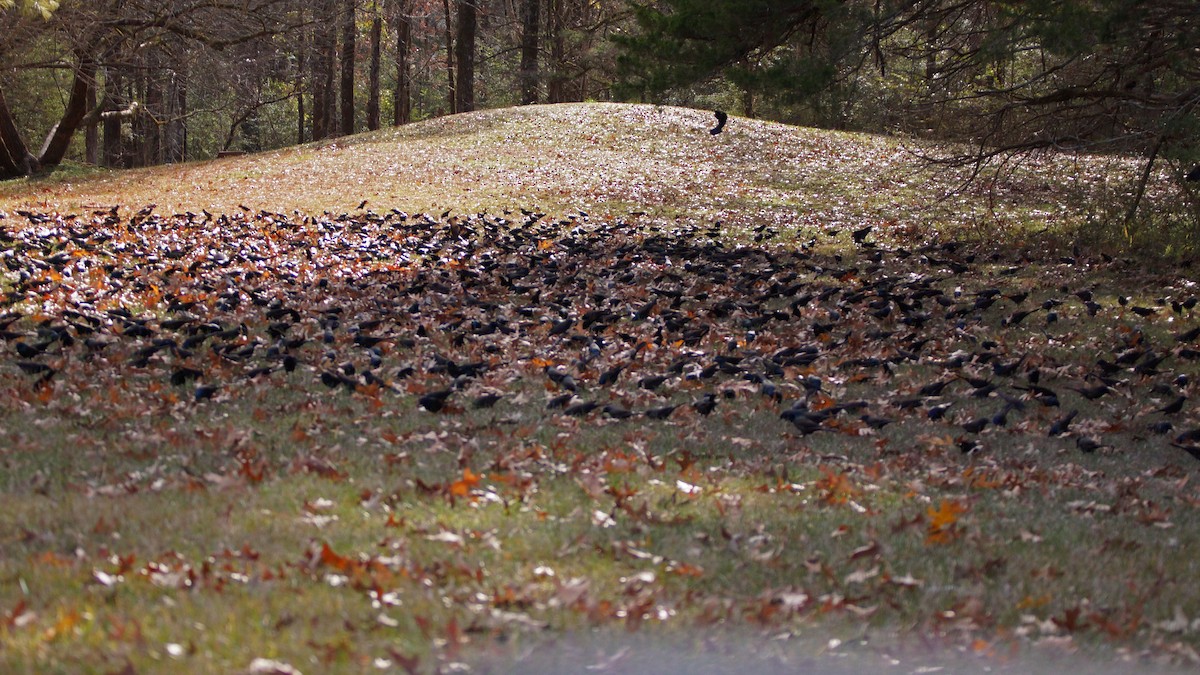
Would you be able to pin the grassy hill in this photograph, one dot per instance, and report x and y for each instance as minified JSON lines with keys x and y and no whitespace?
{"x":606,"y":159}
{"x":770,"y":403}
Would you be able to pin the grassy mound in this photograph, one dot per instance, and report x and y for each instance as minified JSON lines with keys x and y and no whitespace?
{"x":605,"y":159}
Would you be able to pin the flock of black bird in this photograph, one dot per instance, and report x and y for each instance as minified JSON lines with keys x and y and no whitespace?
{"x":605,"y":319}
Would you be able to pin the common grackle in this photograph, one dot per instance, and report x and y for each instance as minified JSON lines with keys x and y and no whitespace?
{"x":706,"y":405}
{"x":976,"y":425}
{"x":617,"y":412}
{"x":435,"y":401}
{"x":1061,"y":424}
{"x":722,"y":118}
{"x":1174,"y":406}
{"x":661,"y":413}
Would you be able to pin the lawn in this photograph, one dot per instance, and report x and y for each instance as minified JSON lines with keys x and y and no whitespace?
{"x":585,"y":388}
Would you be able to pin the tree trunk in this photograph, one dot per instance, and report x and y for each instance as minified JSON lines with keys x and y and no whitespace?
{"x":349,"y":34}
{"x":177,"y":127}
{"x":530,"y":25}
{"x":402,"y":95}
{"x":376,"y":55}
{"x":114,"y":149}
{"x":558,"y":50}
{"x":451,"y":96}
{"x":91,"y":131}
{"x":302,"y":52}
{"x":152,"y":99}
{"x":323,"y":54}
{"x":15,"y":159}
{"x":468,"y":15}
{"x":58,"y":141}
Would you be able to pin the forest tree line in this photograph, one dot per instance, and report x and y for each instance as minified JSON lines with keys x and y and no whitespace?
{"x":125,"y":83}
{"x":135,"y":82}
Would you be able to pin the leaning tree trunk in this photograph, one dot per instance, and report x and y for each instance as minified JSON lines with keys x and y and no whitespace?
{"x":464,"y":100}
{"x":58,"y":141}
{"x":15,"y":159}
{"x":530,"y":23}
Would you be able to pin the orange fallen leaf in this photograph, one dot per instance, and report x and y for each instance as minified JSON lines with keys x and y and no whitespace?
{"x":943,"y":521}
{"x":463,"y":486}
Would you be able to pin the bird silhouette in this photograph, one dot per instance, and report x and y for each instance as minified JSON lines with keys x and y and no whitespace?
{"x":1174,"y":406}
{"x":722,"y":117}
{"x":435,"y":401}
{"x":661,"y":413}
{"x":1061,"y":424}
{"x":706,"y":405}
{"x":976,"y":425}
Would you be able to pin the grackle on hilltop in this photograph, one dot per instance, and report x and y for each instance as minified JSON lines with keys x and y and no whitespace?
{"x":722,"y":117}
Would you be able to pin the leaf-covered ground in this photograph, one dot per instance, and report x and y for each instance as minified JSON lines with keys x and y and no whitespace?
{"x":387,"y":440}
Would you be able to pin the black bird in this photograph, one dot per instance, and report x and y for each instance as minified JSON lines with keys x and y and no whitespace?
{"x":434,"y":401}
{"x":722,"y":117}
{"x":807,"y":422}
{"x":580,"y":408}
{"x":1174,"y":406}
{"x":33,"y":367}
{"x":937,"y":412}
{"x":652,"y":382}
{"x":560,"y":327}
{"x":661,"y":413}
{"x":560,"y":401}
{"x":617,"y":412}
{"x":875,"y":422}
{"x":706,"y":405}
{"x":1061,"y":424}
{"x":610,"y":376}
{"x":1000,"y":419}
{"x":1192,"y":450}
{"x":1019,"y":316}
{"x":28,"y":351}
{"x":934,"y":388}
{"x":976,"y":425}
{"x":561,"y":378}
{"x":486,"y":400}
{"x":1092,"y":393}
{"x":206,"y":391}
{"x":1088,"y":445}
{"x":182,"y":375}
{"x":1194,"y":174}
{"x":1161,"y":427}
{"x":860,"y":235}
{"x":1188,"y":336}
